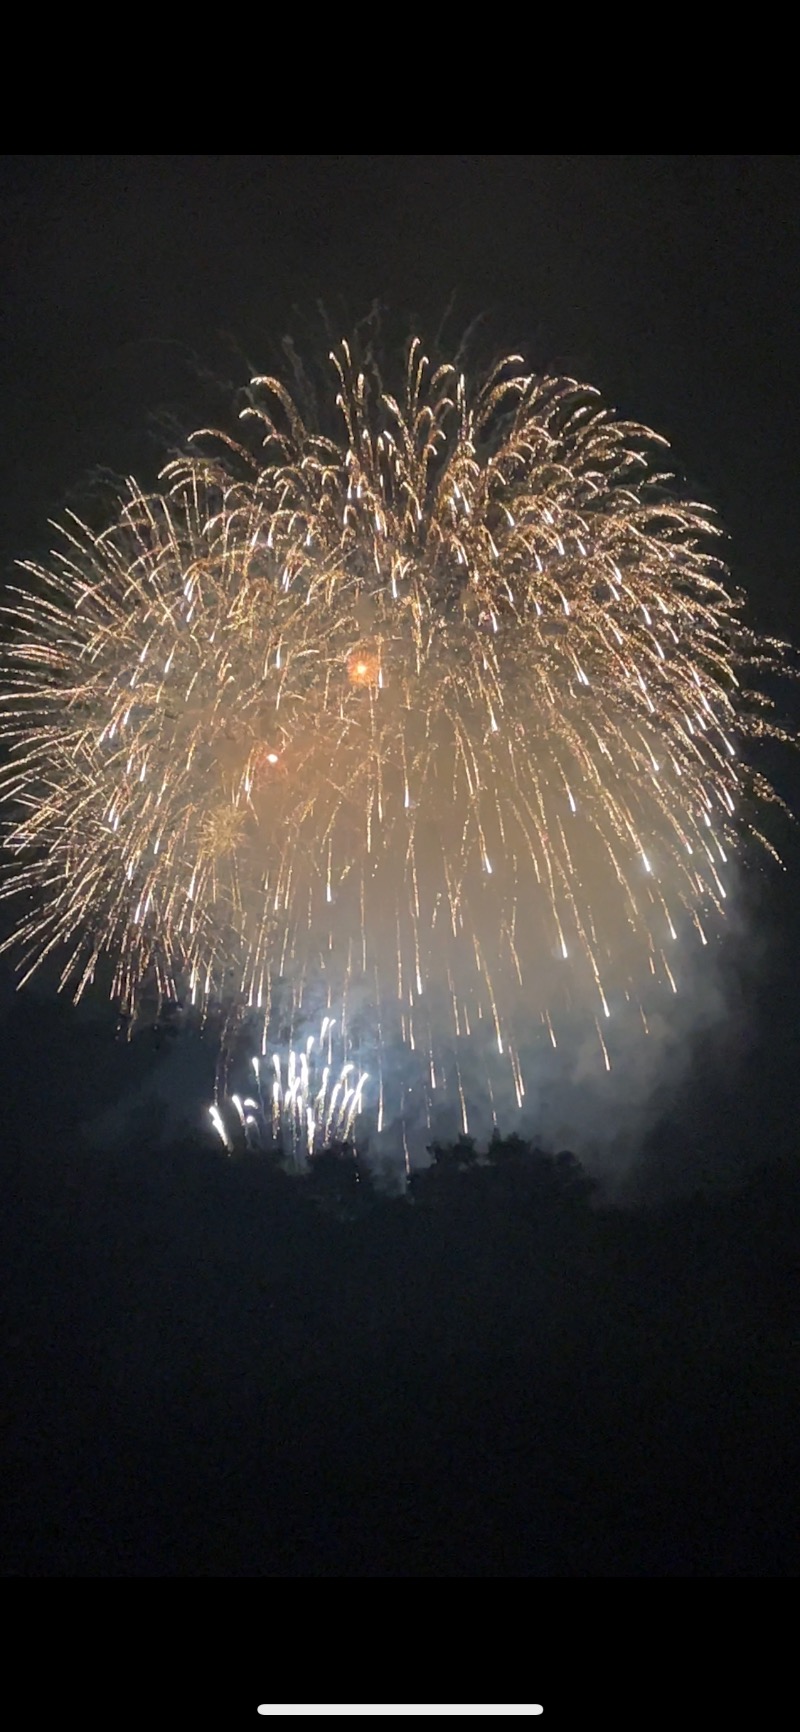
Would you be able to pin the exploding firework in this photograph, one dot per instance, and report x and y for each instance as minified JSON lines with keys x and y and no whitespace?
{"x":304,"y":1102}
{"x":438,"y":717}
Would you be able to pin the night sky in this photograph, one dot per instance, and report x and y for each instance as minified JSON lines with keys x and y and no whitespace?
{"x":139,"y":293}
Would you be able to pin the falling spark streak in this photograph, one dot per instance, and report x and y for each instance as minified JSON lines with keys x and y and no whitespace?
{"x":354,"y":675}
{"x":219,"y":1125}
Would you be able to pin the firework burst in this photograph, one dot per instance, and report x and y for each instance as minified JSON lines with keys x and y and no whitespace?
{"x":304,"y":1101}
{"x":439,"y":717}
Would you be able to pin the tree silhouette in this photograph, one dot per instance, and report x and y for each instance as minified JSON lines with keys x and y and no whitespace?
{"x":338,"y":1180}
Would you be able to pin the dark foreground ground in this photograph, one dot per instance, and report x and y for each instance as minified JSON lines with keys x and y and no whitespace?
{"x":218,"y":1371}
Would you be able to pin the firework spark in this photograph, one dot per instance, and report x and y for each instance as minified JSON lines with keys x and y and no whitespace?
{"x":304,"y":1101}
{"x":440,"y":715}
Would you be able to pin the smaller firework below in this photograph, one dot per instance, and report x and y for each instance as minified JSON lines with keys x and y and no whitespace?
{"x":302,"y":1101}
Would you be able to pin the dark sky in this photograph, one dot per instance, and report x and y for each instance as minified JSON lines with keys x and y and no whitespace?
{"x":139,"y":292}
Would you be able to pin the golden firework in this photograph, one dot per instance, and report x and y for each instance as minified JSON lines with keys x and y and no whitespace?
{"x":443,"y":712}
{"x":364,"y":665}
